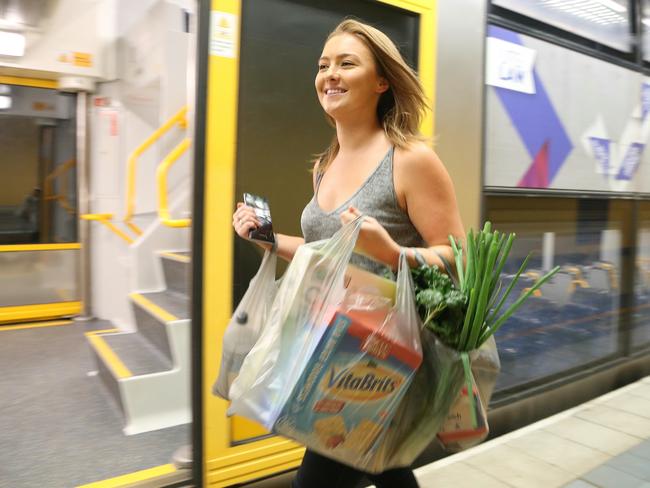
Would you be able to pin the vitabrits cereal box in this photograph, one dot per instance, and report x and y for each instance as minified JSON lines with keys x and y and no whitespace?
{"x":346,"y":397}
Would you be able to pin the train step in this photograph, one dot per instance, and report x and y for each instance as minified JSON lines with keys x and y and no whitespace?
{"x":156,"y":312}
{"x":177,"y":269}
{"x":122,"y":355}
{"x":151,"y":391}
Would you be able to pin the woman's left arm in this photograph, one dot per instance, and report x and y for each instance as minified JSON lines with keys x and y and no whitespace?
{"x":425,"y":190}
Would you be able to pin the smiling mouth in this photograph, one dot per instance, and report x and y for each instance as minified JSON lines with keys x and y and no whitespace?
{"x":335,"y":91}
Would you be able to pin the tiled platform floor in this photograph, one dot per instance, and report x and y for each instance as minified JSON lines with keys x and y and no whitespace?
{"x":603,"y":443}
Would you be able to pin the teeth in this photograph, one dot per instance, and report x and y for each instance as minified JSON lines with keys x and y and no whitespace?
{"x":334,"y":91}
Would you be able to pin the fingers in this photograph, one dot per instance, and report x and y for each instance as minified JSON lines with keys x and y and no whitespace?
{"x":244,"y":220}
{"x":352,"y":213}
{"x":244,"y":212}
{"x":347,"y":217}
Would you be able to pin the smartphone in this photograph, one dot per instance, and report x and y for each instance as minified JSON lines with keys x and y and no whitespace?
{"x":264,"y":232}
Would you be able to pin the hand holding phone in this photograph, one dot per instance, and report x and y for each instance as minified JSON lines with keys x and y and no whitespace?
{"x":260,"y":205}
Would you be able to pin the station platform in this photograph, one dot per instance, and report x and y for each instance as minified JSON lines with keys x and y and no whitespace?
{"x":604,"y":443}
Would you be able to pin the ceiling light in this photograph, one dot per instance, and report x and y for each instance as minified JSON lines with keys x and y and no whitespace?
{"x":611,"y":4}
{"x":12,"y":44}
{"x":5,"y":102}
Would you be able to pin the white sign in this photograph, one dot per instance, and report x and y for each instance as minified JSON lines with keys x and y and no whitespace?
{"x":223,"y":34}
{"x":509,"y":66}
{"x":12,"y":44}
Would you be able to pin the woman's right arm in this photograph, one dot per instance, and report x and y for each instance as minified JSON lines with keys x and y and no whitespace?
{"x":244,"y":220}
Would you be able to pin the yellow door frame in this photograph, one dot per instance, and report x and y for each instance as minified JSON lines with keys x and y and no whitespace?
{"x":223,"y":464}
{"x":33,"y":82}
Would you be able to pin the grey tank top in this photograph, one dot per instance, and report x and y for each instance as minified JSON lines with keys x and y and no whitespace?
{"x":375,"y":198}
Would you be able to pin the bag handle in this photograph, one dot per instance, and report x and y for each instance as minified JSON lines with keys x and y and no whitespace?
{"x":342,"y":243}
{"x":470,"y":390}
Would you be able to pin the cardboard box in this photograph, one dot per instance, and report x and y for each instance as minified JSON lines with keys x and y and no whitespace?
{"x":347,"y":395}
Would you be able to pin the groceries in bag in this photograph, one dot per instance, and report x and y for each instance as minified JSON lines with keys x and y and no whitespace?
{"x":305,"y":297}
{"x":466,"y":421}
{"x":464,"y":309}
{"x":345,"y":399}
{"x":311,"y":289}
{"x":466,"y":424}
{"x":279,"y":380}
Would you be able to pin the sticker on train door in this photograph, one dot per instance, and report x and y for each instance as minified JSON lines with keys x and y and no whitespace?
{"x":223,"y":29}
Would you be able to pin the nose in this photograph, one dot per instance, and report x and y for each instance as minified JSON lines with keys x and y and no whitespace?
{"x":332,"y":73}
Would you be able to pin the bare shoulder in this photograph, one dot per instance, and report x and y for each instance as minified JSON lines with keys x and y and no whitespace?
{"x":417,"y":165}
{"x":425,"y":190}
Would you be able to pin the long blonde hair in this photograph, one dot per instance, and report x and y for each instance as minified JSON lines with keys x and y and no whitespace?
{"x":402,"y":107}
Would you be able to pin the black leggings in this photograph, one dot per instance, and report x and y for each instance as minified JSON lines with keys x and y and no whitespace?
{"x":317,"y":471}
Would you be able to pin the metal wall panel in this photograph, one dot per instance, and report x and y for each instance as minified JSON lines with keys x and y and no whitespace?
{"x":459,"y":100}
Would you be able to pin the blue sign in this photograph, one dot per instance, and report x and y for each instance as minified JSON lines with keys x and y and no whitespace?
{"x":630,"y":161}
{"x":600,"y":149}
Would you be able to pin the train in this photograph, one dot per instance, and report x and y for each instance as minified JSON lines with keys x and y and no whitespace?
{"x":130,"y":130}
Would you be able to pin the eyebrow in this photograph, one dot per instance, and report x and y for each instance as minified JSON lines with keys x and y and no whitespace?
{"x":342,"y":55}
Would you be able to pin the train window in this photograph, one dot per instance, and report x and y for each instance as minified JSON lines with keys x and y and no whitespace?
{"x":641,"y":310}
{"x":604,"y":21}
{"x":38,"y":190}
{"x":574,"y":320}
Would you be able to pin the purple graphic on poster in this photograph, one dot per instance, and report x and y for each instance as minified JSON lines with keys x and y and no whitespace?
{"x":645,"y":100}
{"x":631,"y":161}
{"x":600,"y":149}
{"x":537,"y":123}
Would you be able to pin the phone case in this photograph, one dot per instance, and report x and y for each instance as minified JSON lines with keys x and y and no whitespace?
{"x":264,"y":232}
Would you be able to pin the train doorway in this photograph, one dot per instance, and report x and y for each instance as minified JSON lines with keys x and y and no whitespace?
{"x":262,"y":125}
{"x":39,"y":244}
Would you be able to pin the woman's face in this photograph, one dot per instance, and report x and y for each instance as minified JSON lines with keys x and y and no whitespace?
{"x":347,"y":81}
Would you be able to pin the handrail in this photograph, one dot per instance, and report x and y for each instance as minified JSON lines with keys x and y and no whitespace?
{"x":613,"y":277}
{"x":161,"y":178}
{"x":60,"y":197}
{"x":180,"y":119}
{"x":106,"y":220}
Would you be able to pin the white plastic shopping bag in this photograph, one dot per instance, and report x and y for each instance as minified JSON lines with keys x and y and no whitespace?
{"x":343,"y":403}
{"x":312,"y":287}
{"x":246,"y":324}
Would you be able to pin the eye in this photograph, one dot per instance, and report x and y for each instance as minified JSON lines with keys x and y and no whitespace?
{"x":347,"y":63}
{"x":322,"y":67}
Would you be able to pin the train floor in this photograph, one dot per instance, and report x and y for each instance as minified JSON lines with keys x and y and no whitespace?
{"x":604,"y":443}
{"x":59,"y":427}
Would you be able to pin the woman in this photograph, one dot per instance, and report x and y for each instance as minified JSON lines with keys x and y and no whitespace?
{"x":378,"y":165}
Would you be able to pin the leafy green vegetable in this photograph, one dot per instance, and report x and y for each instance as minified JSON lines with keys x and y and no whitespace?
{"x":440,"y":305}
{"x":465,"y":312}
